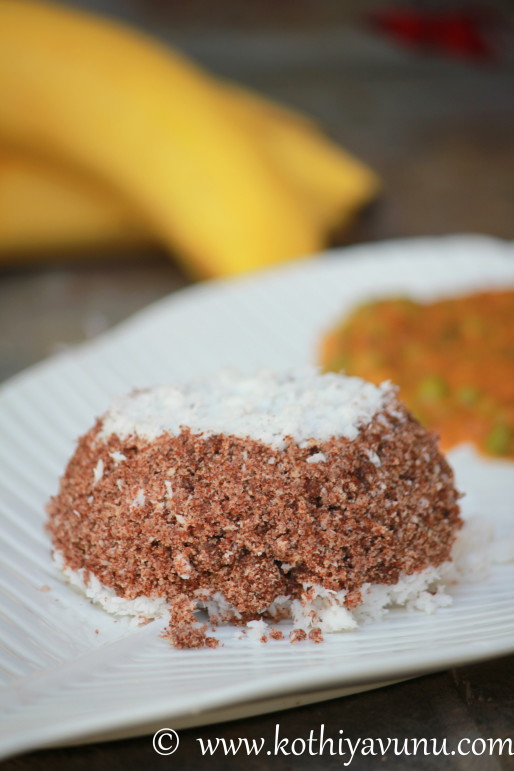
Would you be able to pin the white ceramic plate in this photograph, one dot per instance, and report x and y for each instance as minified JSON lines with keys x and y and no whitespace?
{"x":70,"y":672}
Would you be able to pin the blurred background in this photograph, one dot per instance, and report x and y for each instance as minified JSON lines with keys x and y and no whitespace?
{"x":419,"y":92}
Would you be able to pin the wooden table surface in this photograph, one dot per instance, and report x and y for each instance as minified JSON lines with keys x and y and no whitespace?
{"x":440,"y":133}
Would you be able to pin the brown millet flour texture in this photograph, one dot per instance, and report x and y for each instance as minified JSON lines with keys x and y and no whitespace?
{"x":182,"y":517}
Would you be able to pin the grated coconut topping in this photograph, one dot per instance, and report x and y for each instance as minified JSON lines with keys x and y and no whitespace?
{"x":266,"y":407}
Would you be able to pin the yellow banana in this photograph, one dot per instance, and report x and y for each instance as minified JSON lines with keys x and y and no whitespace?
{"x":44,"y":207}
{"x":108,"y":100}
{"x":336,"y":183}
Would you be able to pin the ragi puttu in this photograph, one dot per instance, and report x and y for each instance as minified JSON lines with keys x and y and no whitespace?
{"x":312,"y":497}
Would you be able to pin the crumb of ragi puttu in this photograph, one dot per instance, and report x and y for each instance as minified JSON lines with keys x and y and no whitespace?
{"x":256,"y":499}
{"x":316,"y":635}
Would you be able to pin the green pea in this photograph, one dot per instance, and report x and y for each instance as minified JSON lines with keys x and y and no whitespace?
{"x":405,"y":303}
{"x":450,"y":333}
{"x":499,"y":439}
{"x":472,"y":325}
{"x":432,"y":388}
{"x":341,"y":363}
{"x":468,"y":395}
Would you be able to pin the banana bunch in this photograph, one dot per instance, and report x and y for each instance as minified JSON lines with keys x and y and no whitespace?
{"x":46,"y":207}
{"x":106,"y":137}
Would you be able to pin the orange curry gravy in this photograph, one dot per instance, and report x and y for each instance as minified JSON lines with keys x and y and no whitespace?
{"x":453,"y":360}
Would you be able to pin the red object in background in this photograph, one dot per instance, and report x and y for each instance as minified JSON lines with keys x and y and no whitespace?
{"x":463,"y":34}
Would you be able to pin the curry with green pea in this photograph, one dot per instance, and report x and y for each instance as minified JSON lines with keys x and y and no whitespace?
{"x":453,"y":360}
